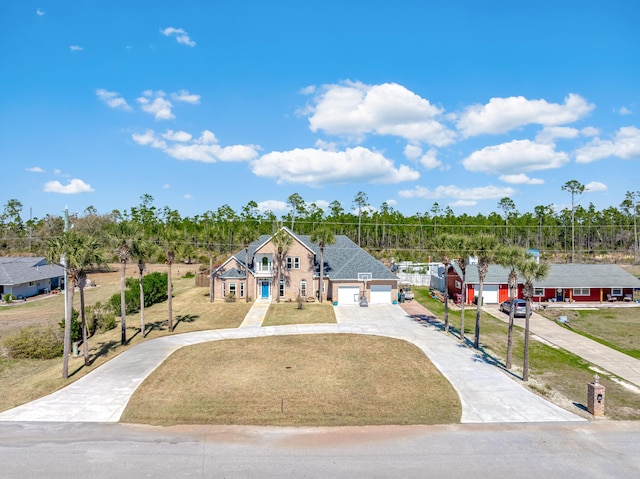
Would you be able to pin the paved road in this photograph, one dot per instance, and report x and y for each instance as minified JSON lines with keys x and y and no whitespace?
{"x":592,"y":450}
{"x":615,"y":362}
{"x":486,"y":392}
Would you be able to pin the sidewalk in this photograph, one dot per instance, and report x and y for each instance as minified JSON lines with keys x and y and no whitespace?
{"x":487,"y":394}
{"x":615,"y":362}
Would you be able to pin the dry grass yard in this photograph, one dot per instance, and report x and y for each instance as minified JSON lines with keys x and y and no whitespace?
{"x":318,"y":380}
{"x":289,"y":313}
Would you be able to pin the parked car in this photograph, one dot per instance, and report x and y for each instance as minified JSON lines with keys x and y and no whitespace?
{"x":405,"y":289}
{"x":520,"y":307}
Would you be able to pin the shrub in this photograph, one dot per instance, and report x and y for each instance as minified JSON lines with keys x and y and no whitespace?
{"x":230,"y":298}
{"x":100,"y":319}
{"x":34,"y":342}
{"x":76,"y":325}
{"x":155,"y":291}
{"x":189,"y":274}
{"x":8,"y":298}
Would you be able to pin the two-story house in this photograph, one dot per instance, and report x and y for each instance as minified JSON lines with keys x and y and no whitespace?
{"x":349,"y":272}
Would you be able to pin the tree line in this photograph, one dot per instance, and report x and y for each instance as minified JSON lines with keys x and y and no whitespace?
{"x":576,"y":233}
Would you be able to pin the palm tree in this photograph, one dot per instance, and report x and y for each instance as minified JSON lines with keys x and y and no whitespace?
{"x":443,"y":246}
{"x":460,"y":245}
{"x":248,"y":234}
{"x":510,"y":258}
{"x":531,"y":271}
{"x":169,"y":241}
{"x":323,"y":236}
{"x":485,"y":248}
{"x":122,"y":237}
{"x":281,"y":240}
{"x":79,"y":251}
{"x":142,"y":249}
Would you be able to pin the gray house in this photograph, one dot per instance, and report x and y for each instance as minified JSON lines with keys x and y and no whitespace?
{"x":26,"y":277}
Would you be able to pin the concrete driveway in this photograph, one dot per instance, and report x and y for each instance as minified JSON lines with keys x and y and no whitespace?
{"x":487,"y":393}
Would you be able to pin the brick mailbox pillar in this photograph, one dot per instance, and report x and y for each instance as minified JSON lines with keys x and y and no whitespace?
{"x":595,"y":392}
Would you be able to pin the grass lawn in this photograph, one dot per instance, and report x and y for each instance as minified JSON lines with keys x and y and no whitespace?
{"x":618,"y":328}
{"x":25,"y":380}
{"x":288,"y":313}
{"x":318,"y":380}
{"x":554,"y":373}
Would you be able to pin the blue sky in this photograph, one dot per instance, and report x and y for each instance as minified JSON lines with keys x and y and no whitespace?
{"x":205,"y":103}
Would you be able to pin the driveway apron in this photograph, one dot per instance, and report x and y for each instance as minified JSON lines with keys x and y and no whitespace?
{"x":486,"y":392}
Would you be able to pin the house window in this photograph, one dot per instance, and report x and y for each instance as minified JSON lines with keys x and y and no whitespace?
{"x":224,"y":289}
{"x":281,"y":288}
{"x":616,"y":291}
{"x":232,"y":289}
{"x":31,"y":283}
{"x":265,"y":264}
{"x":458,"y":285}
{"x":303,"y":288}
{"x":581,"y":291}
{"x":538,"y":292}
{"x":242,"y":290}
{"x":293,"y":262}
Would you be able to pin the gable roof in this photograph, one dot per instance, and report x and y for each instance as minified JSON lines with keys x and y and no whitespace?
{"x":343,"y":259}
{"x":15,"y":271}
{"x":563,"y":276}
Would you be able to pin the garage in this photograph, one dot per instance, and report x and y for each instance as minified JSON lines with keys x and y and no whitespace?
{"x":348,"y":294}
{"x":490,"y":293}
{"x":380,"y":294}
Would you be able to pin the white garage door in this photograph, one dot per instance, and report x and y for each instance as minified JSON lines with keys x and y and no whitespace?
{"x":348,"y":294}
{"x":380,"y":294}
{"x":490,"y":293}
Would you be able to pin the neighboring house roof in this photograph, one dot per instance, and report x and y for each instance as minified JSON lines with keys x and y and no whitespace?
{"x":563,"y":276}
{"x":343,"y":259}
{"x":15,"y":271}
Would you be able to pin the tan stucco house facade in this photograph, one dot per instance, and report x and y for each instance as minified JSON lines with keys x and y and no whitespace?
{"x":349,"y":273}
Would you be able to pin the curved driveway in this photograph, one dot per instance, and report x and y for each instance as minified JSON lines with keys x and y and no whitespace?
{"x":486,"y":392}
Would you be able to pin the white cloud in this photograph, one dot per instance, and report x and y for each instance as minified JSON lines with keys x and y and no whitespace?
{"x":35,"y":169}
{"x":73,"y":187}
{"x":353,"y":109}
{"x":429,"y":160}
{"x":469,"y":195}
{"x":181,"y":146}
{"x":181,"y":136}
{"x":595,"y":186}
{"x":501,"y":115}
{"x":625,"y":145}
{"x":515,"y":157}
{"x":550,"y":133}
{"x":156,"y":104}
{"x":412,"y":152}
{"x":187,"y":196}
{"x":308,"y":90}
{"x":322,"y":204}
{"x":166,"y":186}
{"x":274,"y":206}
{"x":315,"y":167}
{"x":521,"y":179}
{"x":180,"y":35}
{"x":112,"y":99}
{"x":590,"y":131}
{"x":186,"y":97}
{"x":624,"y":111}
{"x":40,"y":12}
{"x":75,"y":48}
{"x":392,"y":202}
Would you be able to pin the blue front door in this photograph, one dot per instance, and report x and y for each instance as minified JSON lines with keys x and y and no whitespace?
{"x":265,"y":289}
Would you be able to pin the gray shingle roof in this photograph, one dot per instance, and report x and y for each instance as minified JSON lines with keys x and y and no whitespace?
{"x":343,"y":259}
{"x":565,"y":276}
{"x":14,"y":271}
